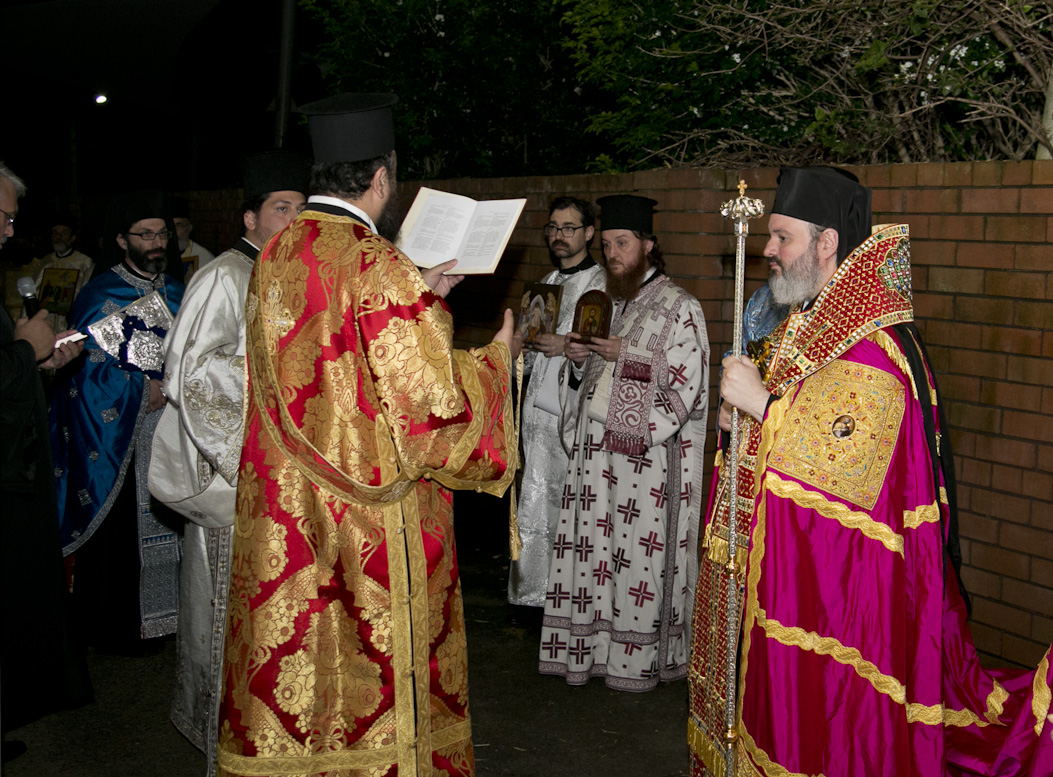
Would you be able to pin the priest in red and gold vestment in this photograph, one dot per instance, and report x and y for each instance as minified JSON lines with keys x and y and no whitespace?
{"x":853,"y":657}
{"x":346,"y":650}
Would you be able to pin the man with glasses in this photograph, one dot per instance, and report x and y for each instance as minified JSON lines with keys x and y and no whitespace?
{"x":569,"y":234}
{"x":634,"y":420}
{"x":197,"y":446}
{"x":103,"y":416}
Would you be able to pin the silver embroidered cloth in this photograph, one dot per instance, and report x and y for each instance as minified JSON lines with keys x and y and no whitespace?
{"x":145,"y":349}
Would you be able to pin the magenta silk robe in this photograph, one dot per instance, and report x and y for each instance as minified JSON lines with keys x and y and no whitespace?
{"x":855,"y":658}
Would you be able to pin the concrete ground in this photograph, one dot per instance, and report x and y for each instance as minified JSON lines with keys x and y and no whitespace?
{"x":523,"y":724}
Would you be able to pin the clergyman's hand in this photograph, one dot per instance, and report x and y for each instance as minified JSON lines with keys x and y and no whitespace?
{"x":574,"y":349}
{"x":741,"y":385}
{"x":550,"y":345}
{"x":38,"y":333}
{"x":439,"y":283}
{"x":157,"y":397}
{"x":608,"y":348}
{"x":508,"y":334}
{"x":64,"y":353}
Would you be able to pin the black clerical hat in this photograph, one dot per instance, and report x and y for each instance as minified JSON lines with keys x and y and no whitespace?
{"x":142,"y":204}
{"x":351,"y":127}
{"x":627,"y":211}
{"x":275,"y":171}
{"x":828,"y":197}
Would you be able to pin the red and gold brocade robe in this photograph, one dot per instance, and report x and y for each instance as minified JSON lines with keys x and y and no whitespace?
{"x":854,"y":658}
{"x":346,"y":651}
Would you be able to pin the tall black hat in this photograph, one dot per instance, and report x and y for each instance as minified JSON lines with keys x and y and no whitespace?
{"x":180,"y":208}
{"x":828,"y":197}
{"x":142,"y":204}
{"x":275,"y":171}
{"x":351,"y":127}
{"x":627,"y":211}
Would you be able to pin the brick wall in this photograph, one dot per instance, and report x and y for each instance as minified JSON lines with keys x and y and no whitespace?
{"x":981,"y":238}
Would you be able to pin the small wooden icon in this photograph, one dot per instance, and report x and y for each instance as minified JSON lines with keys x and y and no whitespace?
{"x":539,"y":311}
{"x":592,"y":316}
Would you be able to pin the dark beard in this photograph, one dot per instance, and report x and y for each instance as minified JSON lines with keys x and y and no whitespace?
{"x":389,"y":225}
{"x":628,"y":285}
{"x":145,"y":263}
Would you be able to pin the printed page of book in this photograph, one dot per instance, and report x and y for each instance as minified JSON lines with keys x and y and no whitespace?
{"x":488,"y":234}
{"x":435,"y":226}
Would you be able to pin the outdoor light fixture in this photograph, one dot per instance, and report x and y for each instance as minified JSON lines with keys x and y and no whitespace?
{"x":100,"y":98}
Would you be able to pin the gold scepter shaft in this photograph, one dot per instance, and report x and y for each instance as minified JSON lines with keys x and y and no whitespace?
{"x":740,"y":211}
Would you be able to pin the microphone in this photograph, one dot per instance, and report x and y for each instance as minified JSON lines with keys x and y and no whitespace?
{"x":28,"y":290}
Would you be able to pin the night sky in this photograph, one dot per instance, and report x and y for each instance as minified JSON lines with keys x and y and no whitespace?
{"x":190,"y":87}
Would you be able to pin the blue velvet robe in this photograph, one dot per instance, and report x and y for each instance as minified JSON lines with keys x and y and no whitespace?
{"x":98,"y":421}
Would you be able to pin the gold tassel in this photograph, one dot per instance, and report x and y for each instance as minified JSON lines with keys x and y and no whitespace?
{"x":515,"y":542}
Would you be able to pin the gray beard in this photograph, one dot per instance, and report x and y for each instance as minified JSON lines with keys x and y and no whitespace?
{"x":147,"y":264}
{"x":797,"y":285}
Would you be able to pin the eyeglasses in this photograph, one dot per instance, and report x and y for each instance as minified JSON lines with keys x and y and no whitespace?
{"x":164,"y":234}
{"x":550,"y":230}
{"x":9,"y":218}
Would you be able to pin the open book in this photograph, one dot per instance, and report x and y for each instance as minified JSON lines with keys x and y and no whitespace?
{"x":441,"y":226}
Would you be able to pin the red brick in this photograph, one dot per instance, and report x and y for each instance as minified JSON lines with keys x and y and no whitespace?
{"x":1028,"y":597}
{"x":1037,"y":315}
{"x":1016,"y":173}
{"x":1041,"y":571}
{"x":965,"y":443}
{"x":1022,"y":652}
{"x":935,"y":201}
{"x":1016,"y":284}
{"x":919,"y":279}
{"x":704,"y":289}
{"x":987,"y":174}
{"x":920,"y":228}
{"x":965,"y":494}
{"x":987,"y":311}
{"x":1000,"y":616}
{"x":997,"y":256}
{"x":1027,"y":370}
{"x":1042,"y":519}
{"x":958,"y":228}
{"x":1036,"y":201}
{"x":978,"y":582}
{"x":1042,"y":629}
{"x":1044,"y":458}
{"x":1030,"y":426}
{"x":1017,"y":452}
{"x":933,"y":306}
{"x":1042,"y":172}
{"x":960,"y":387}
{"x":958,"y":174}
{"x":956,"y":280}
{"x":1015,"y":229}
{"x":978,"y":363}
{"x":888,"y":201}
{"x":1026,"y":539}
{"x":933,"y":252}
{"x":877,"y":176}
{"x":1004,"y":562}
{"x":990,"y":201}
{"x":987,"y":639}
{"x":1012,"y":395}
{"x":930,"y":173}
{"x":1007,"y":479}
{"x":978,"y":473}
{"x":903,"y":175}
{"x":951,"y":333}
{"x":966,"y":548}
{"x":1000,"y":505}
{"x":977,"y":527}
{"x":1023,"y":342}
{"x":982,"y":418}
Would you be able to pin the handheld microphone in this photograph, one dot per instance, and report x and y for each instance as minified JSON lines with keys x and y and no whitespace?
{"x":28,"y":290}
